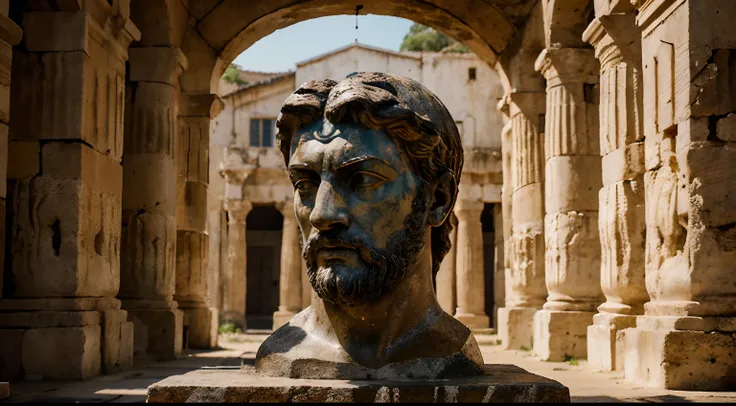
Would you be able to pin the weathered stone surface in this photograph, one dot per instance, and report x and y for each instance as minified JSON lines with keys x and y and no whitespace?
{"x":62,"y":353}
{"x":501,"y":383}
{"x":11,"y":364}
{"x":42,"y":319}
{"x":158,"y":333}
{"x":516,"y":328}
{"x":559,"y":335}
{"x":680,"y":360}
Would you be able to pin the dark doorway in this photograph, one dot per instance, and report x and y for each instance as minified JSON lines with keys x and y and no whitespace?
{"x":486,"y":221}
{"x":263,"y":241}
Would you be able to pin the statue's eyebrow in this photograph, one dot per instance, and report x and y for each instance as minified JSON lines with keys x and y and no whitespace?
{"x":361,"y":159}
{"x":299,"y":167}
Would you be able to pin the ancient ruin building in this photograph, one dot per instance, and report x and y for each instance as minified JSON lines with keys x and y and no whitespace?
{"x":615,"y":179}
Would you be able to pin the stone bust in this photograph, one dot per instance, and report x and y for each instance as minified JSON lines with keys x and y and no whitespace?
{"x":375,"y":162}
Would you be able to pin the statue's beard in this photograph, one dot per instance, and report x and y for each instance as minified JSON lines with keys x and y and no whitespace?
{"x":384,"y":267}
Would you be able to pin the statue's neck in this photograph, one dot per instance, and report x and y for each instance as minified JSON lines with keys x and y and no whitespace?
{"x":368,"y":332}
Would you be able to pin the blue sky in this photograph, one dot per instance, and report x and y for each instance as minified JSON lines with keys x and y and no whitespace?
{"x":282,"y":49}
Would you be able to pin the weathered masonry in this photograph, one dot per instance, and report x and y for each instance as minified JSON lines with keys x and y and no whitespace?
{"x":618,"y":221}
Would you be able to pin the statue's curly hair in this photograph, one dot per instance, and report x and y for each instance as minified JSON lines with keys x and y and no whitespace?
{"x":401,"y":107}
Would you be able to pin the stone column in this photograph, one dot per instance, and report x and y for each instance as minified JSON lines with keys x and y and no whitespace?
{"x":235,"y":280}
{"x":469,"y":265}
{"x":617,"y":41}
{"x":192,"y":241}
{"x":573,"y":179}
{"x":446,"y":276}
{"x":525,"y":280}
{"x":148,"y":244}
{"x":59,"y":315}
{"x":11,"y":35}
{"x":290,"y":283}
{"x":685,"y":340}
{"x":499,"y":272}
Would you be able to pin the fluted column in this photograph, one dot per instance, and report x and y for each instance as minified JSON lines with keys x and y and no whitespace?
{"x":617,"y":41}
{"x":446,"y":276}
{"x":192,"y":240}
{"x":469,"y":265}
{"x":685,"y":338}
{"x":148,"y":249}
{"x":572,"y":182}
{"x":235,"y":281}
{"x":290,"y":283}
{"x":525,"y":280}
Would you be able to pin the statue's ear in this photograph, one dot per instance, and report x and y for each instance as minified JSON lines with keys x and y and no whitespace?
{"x":443,"y":199}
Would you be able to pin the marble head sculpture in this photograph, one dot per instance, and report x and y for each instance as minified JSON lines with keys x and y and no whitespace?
{"x":375,"y":161}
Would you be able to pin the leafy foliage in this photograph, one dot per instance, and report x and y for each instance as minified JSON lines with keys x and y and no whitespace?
{"x":423,"y":38}
{"x":231,"y":76}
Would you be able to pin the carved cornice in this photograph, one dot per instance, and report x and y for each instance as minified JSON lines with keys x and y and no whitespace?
{"x":653,"y":11}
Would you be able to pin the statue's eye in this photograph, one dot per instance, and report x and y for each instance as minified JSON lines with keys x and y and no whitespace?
{"x":305,"y":185}
{"x":366,"y":180}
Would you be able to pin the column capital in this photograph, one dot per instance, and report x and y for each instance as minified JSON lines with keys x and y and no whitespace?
{"x":238,"y":210}
{"x":468,"y":209}
{"x":568,"y":65}
{"x":531,"y":104}
{"x":199,"y":105}
{"x":157,"y":64}
{"x":615,"y":37}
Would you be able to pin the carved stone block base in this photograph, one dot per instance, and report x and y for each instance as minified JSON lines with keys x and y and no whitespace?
{"x":158,"y":333}
{"x":605,"y":344}
{"x":473,"y":321}
{"x":561,"y":334}
{"x":201,"y":325}
{"x":281,"y":317}
{"x":63,"y":353}
{"x":515,"y":327}
{"x":679,"y":359}
{"x":500,"y":384}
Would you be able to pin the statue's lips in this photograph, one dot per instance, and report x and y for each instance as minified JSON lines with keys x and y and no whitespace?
{"x":340,"y":253}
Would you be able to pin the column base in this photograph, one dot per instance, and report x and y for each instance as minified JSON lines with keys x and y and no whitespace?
{"x":473,"y":321}
{"x":201,"y":326}
{"x":561,"y":334}
{"x":281,"y":317}
{"x":64,"y":338}
{"x":660,"y":355}
{"x":605,"y":345}
{"x":515,"y":327}
{"x":158,"y":331}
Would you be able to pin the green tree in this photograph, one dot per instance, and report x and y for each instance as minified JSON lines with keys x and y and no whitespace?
{"x":231,"y":76}
{"x":423,"y":38}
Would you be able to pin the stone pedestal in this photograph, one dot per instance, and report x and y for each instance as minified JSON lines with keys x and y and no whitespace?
{"x":158,"y":328}
{"x":500,"y":384}
{"x":64,"y":338}
{"x":605,"y":341}
{"x":686,"y":353}
{"x":469,"y":265}
{"x":515,"y":327}
{"x":559,"y":335}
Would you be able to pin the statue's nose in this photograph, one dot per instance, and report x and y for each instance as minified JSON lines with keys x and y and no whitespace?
{"x":329,"y":210}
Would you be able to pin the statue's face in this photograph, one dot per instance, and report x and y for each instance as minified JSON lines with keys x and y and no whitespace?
{"x":355,"y":195}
